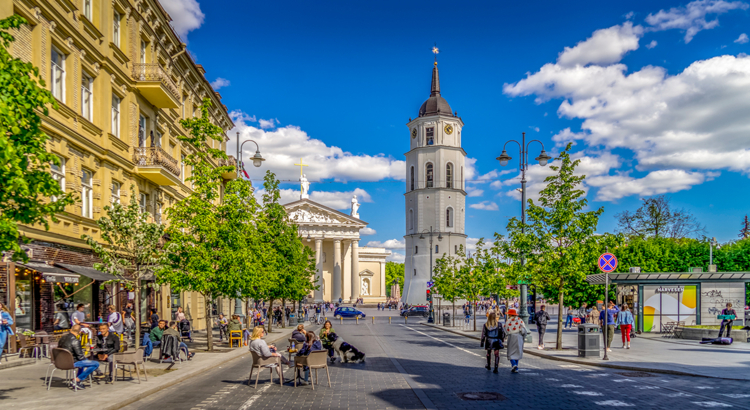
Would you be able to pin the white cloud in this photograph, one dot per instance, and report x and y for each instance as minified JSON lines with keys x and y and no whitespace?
{"x":396,"y":257}
{"x":655,"y":183}
{"x":485,"y":206}
{"x":605,"y":46}
{"x":474,"y":192}
{"x":389,"y":244}
{"x":186,"y":16}
{"x":471,"y":244}
{"x":341,"y":200}
{"x":219,"y":83}
{"x":268,"y":123}
{"x":629,"y":15}
{"x":470,"y":170}
{"x":692,"y":18}
{"x":366,"y":231}
{"x":651,"y":45}
{"x":284,"y":146}
{"x":742,"y":39}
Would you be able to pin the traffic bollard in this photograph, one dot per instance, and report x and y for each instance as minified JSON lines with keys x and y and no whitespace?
{"x":373,"y":319}
{"x":389,"y":320}
{"x":341,"y":320}
{"x":357,"y":319}
{"x":405,"y":317}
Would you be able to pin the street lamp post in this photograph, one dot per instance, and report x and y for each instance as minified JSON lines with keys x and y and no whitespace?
{"x":257,"y":161}
{"x":543,"y":158}
{"x":431,"y":232}
{"x":711,"y":244}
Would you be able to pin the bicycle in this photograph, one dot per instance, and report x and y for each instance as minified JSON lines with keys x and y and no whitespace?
{"x":315,"y":321}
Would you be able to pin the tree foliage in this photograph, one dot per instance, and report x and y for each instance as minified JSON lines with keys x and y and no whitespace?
{"x":656,"y":218}
{"x":27,"y":185}
{"x":393,"y":272}
{"x":559,"y":234}
{"x":446,"y":273}
{"x":132,"y":250}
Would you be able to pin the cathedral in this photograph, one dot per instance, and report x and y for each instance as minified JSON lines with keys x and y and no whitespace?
{"x":435,"y":193}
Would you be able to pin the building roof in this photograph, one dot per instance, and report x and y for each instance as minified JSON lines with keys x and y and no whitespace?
{"x":436,"y":104}
{"x":625,"y":277}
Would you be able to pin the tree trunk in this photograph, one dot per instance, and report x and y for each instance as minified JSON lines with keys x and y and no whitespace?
{"x":283,"y":312}
{"x":454,"y":312}
{"x":269,"y":315}
{"x":209,"y":324}
{"x":559,"y":319}
{"x":475,"y":316}
{"x":137,"y":313}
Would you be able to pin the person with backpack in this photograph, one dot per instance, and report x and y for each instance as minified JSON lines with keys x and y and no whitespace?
{"x":541,"y":317}
{"x":492,"y":336}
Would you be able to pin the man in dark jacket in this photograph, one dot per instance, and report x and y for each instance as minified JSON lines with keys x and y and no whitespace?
{"x":172,"y":331}
{"x":85,"y":367}
{"x":107,"y":343}
{"x":541,"y":317}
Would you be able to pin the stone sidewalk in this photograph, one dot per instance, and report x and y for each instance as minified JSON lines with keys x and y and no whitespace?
{"x":649,"y":352}
{"x":23,"y":387}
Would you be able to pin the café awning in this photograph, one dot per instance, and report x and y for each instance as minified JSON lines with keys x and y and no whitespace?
{"x":52,"y":273}
{"x":88,"y":272}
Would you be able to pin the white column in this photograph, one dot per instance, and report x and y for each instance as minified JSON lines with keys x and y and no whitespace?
{"x":382,"y":280}
{"x":356,"y":286}
{"x":336,"y":290}
{"x":346,"y":273}
{"x":318,"y":294}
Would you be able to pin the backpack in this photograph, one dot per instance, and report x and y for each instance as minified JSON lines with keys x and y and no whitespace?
{"x":493,"y":333}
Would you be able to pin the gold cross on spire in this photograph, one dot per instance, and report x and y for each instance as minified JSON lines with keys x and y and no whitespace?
{"x":301,"y":164}
{"x":436,"y":51}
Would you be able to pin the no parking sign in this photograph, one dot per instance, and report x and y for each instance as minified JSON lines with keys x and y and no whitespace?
{"x":607,"y":262}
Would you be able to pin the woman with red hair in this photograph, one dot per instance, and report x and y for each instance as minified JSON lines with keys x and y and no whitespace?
{"x":516,"y":330}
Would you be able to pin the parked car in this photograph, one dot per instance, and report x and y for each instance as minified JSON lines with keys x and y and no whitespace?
{"x":423,"y":311}
{"x":348,"y":312}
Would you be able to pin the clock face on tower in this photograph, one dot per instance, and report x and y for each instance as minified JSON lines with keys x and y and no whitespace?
{"x":414,"y":133}
{"x":448,"y":129}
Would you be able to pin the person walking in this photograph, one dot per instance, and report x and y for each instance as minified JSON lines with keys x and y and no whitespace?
{"x":611,"y":312}
{"x":541,"y":317}
{"x":492,"y":334}
{"x":569,"y":318}
{"x":582,"y":312}
{"x":516,"y":330}
{"x":6,"y":321}
{"x":727,"y":322}
{"x":625,"y":322}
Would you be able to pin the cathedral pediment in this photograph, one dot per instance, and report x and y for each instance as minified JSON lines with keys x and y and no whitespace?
{"x":307,"y":212}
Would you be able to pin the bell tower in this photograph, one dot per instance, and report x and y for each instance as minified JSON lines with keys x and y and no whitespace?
{"x":435,"y":192}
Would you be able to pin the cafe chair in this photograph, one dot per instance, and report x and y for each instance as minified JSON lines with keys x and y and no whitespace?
{"x":27,"y":347}
{"x":318,"y":359}
{"x":270,"y":363}
{"x":235,"y":335}
{"x":134,"y":359}
{"x":63,"y":360}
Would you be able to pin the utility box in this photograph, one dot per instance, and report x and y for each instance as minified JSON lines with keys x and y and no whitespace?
{"x":588,"y":340}
{"x":446,"y":319}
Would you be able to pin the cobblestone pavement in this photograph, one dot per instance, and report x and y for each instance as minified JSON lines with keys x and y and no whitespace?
{"x":418,"y":367}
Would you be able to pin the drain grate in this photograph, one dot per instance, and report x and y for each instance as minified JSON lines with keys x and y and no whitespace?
{"x":636,"y":374}
{"x":484,"y":395}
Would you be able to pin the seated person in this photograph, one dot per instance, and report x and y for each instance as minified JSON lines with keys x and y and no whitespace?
{"x":111,"y":342}
{"x":173,"y":331}
{"x":259,"y":346}
{"x":154,"y":338}
{"x":61,"y":318}
{"x":70,"y":342}
{"x":299,"y":334}
{"x":312,"y":343}
{"x":234,"y":324}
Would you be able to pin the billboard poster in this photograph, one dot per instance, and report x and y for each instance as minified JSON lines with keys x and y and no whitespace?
{"x":668,"y":303}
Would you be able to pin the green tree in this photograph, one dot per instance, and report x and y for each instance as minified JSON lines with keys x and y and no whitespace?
{"x":214,"y":247}
{"x":132,"y":250}
{"x":446,"y":275}
{"x":478,"y":276}
{"x":559,"y":234}
{"x":393,"y":272}
{"x":29,"y":194}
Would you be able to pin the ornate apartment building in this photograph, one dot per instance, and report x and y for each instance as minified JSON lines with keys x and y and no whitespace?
{"x":123,"y":80}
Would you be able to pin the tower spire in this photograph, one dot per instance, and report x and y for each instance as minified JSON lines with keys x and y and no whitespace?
{"x":435,"y":88}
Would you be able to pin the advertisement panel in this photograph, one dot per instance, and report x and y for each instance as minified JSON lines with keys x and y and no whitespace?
{"x":668,"y":303}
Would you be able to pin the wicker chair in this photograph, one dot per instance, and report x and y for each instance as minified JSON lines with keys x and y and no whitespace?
{"x":317,"y":359}
{"x":260,"y":363}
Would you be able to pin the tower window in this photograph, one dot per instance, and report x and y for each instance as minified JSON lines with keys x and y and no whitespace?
{"x":411,"y":219}
{"x":429,"y":175}
{"x":455,"y":248}
{"x":436,"y":248}
{"x":449,"y":176}
{"x":449,"y":218}
{"x":430,"y":136}
{"x":415,"y":272}
{"x":416,"y":250}
{"x":412,"y":179}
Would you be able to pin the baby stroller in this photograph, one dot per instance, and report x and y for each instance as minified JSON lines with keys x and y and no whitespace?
{"x":185,"y":331}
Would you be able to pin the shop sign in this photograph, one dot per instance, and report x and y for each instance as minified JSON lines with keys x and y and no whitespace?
{"x":675,"y":289}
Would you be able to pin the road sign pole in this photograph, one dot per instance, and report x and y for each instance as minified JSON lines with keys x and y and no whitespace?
{"x":607,"y":263}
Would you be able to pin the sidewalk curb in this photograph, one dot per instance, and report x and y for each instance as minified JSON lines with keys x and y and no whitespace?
{"x":145,"y":393}
{"x":596,"y":364}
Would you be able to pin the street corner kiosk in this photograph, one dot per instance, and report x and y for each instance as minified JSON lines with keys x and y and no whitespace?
{"x":695,"y":297}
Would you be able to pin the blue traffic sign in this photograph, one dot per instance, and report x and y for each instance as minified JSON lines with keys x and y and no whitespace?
{"x":607,"y":262}
{"x":430,"y":283}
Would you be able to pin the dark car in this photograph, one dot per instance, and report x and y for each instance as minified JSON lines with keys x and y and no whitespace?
{"x":423,"y":311}
{"x":348,"y":312}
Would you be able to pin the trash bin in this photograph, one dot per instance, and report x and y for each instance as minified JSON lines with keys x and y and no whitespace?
{"x":446,"y":319}
{"x":588,"y":340}
{"x":292,"y":319}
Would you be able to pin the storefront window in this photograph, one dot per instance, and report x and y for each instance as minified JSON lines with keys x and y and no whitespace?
{"x":24,"y":299}
{"x":668,"y":303}
{"x":176,"y":302}
{"x":68,"y":296}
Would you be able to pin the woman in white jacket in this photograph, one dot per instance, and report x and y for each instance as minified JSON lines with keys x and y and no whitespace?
{"x":516,"y":330}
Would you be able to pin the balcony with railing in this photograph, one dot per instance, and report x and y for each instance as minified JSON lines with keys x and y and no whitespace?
{"x":154,"y":164}
{"x":156,"y":86}
{"x":229,"y":162}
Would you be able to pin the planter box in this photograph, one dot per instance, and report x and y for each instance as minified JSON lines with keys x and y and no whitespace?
{"x":691,"y":333}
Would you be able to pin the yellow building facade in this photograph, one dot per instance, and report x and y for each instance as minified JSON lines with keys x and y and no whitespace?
{"x":123,"y":80}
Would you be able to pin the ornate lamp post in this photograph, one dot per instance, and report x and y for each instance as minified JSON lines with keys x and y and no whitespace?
{"x":543,"y":158}
{"x":431,"y":232}
{"x":257,"y":161}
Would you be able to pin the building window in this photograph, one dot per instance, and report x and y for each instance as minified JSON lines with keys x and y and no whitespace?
{"x":143,"y":203}
{"x":411,"y":219}
{"x":411,"y":178}
{"x":58,"y":74}
{"x":449,"y":176}
{"x":455,"y":248}
{"x":116,"y":192}
{"x":430,"y":136}
{"x":182,"y":168}
{"x":449,"y":218}
{"x":116,"y":28}
{"x":415,"y":272}
{"x":429,"y":174}
{"x":116,"y":116}
{"x":87,"y":9}
{"x":87,"y":194}
{"x":143,"y":52}
{"x":158,"y":139}
{"x":416,"y":250}
{"x":58,"y":174}
{"x":184,"y":100}
{"x":436,"y":248}
{"x":87,"y":96}
{"x":142,"y":131}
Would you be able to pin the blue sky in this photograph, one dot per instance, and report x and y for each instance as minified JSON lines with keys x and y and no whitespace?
{"x":654,"y":94}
